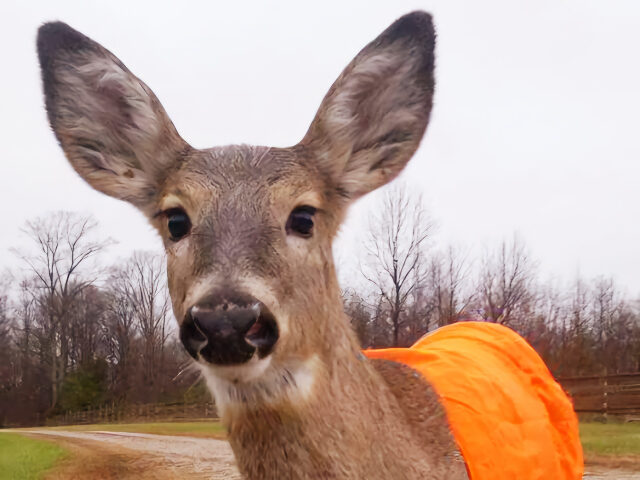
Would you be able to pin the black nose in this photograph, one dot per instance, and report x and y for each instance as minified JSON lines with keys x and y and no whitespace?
{"x":227,"y":329}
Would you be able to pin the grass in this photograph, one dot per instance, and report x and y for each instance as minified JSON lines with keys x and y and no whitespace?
{"x":202,"y":429}
{"x":602,"y":442}
{"x":24,"y":458}
{"x":610,"y":439}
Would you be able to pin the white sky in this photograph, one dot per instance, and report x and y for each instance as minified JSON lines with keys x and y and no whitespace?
{"x":535,"y":128}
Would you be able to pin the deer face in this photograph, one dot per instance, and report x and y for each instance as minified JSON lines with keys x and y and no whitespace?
{"x":247,"y":230}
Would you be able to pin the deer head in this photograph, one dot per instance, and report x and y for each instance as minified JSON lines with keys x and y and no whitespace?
{"x":247,"y":230}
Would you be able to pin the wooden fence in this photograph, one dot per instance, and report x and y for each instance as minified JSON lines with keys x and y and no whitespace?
{"x":114,"y":413}
{"x":611,"y":394}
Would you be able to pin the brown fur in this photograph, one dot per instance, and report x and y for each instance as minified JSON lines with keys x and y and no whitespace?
{"x":314,"y":408}
{"x":379,"y":431}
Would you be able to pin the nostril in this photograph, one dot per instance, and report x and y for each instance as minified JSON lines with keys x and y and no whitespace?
{"x":191,"y":335}
{"x":195,"y":317}
{"x":263,"y":334}
{"x":225,"y":306}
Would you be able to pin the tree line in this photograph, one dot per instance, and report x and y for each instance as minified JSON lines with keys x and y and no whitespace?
{"x":587,"y":327}
{"x":76,"y":333}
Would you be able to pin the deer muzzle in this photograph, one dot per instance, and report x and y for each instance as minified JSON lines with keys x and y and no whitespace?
{"x":228,"y":329}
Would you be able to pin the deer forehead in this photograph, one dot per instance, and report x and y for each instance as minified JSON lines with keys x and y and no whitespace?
{"x":215,"y":184}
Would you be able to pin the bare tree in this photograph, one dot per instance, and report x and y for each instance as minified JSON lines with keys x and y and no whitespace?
{"x":152,"y":308}
{"x":86,"y":319}
{"x":418,"y":313}
{"x":5,"y":320}
{"x":358,"y":312}
{"x":139,"y":299}
{"x":63,"y":245}
{"x":396,"y":259}
{"x":448,"y":276}
{"x":506,"y":283}
{"x":613,"y":326}
{"x":7,"y":359}
{"x":546,"y":329}
{"x":581,"y":347}
{"x":119,"y":328}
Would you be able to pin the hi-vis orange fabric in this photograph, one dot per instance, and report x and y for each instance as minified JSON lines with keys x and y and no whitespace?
{"x":508,"y":415}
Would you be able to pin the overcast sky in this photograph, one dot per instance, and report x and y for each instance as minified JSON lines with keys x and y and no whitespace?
{"x":535,"y":128}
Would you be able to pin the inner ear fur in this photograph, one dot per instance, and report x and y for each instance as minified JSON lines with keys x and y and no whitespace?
{"x":372,"y":119}
{"x":112,"y":128}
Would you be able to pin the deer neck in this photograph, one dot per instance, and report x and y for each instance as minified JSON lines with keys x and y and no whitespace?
{"x":327,"y":431}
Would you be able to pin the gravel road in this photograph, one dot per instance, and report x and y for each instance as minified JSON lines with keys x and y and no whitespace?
{"x":204,"y":458}
{"x":602,"y":473}
{"x":192,"y":457}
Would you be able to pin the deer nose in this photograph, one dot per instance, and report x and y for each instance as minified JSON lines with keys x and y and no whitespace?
{"x":228,"y":330}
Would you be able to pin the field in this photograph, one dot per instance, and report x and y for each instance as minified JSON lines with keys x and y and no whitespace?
{"x":84,"y":451}
{"x":25,"y":458}
{"x":610,"y":440}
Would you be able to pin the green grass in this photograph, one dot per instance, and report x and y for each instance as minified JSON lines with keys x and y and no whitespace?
{"x":24,"y":458}
{"x":205,"y":429}
{"x":610,"y":439}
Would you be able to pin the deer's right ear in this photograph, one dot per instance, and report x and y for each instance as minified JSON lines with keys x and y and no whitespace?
{"x":372,"y":119}
{"x":110,"y":125}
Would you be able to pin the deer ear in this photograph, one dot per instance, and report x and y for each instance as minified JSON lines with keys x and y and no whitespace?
{"x":110,"y":125}
{"x":372,"y":119}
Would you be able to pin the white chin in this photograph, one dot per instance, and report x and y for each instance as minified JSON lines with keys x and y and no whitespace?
{"x":236,"y":374}
{"x":260,"y":381}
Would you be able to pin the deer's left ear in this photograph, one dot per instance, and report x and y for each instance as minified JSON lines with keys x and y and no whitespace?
{"x":372,"y":119}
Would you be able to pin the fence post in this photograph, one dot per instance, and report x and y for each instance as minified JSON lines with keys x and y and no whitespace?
{"x":605,"y":398}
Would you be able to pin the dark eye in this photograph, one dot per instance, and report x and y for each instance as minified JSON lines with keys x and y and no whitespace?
{"x":300,"y":221}
{"x":178,"y":223}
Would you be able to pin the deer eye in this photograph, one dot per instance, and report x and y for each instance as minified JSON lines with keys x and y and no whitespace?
{"x":178,"y":223}
{"x":300,"y":221}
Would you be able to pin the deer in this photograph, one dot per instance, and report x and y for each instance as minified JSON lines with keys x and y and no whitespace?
{"x":248,"y":234}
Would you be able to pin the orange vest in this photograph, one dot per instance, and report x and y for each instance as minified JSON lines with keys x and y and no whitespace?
{"x":509,"y":417}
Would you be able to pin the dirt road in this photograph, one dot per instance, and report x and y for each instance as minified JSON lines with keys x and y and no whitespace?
{"x":167,"y":456}
{"x":603,"y":473}
{"x":141,"y":455}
